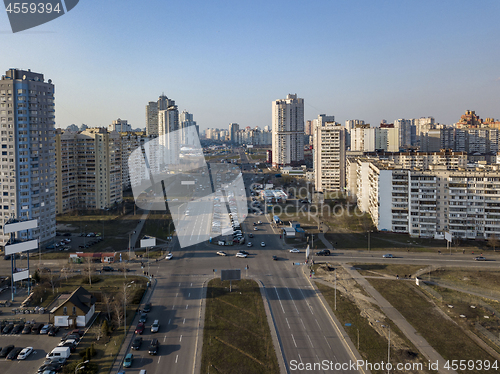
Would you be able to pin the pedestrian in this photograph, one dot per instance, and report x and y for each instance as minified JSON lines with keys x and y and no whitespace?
{"x":397,"y":276}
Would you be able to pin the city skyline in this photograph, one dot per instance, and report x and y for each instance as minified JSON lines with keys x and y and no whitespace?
{"x":368,"y":61}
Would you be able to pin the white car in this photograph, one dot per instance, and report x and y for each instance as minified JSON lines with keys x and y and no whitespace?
{"x":169,"y":256}
{"x":294,"y":250}
{"x":249,"y":244}
{"x":25,"y":353}
{"x":260,"y":222}
{"x":155,"y":326}
{"x":262,"y":244}
{"x":242,"y":255}
{"x":222,"y":253}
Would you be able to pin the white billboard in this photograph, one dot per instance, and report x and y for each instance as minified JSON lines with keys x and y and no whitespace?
{"x":448,"y":236}
{"x":151,"y":242}
{"x":20,"y":226}
{"x":21,"y":247}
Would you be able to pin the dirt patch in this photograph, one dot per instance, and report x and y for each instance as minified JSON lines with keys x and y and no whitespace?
{"x":65,"y":227}
{"x":368,"y":307}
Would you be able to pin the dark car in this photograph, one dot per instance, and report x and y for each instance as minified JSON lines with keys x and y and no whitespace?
{"x":136,"y":344}
{"x":53,"y":331}
{"x":140,"y":328}
{"x":147,"y":308}
{"x":77,"y":332}
{"x":13,"y":353}
{"x":72,"y":336}
{"x":6,"y":350}
{"x":18,"y":328}
{"x":107,"y":268}
{"x":26,"y":329}
{"x":153,"y":347}
{"x":244,"y":252}
{"x":323,"y":252}
{"x":143,"y":318}
{"x":35,"y":329}
{"x":250,"y":235}
{"x":54,"y":366}
{"x":7,"y":329}
{"x":275,"y":258}
{"x":67,"y":234}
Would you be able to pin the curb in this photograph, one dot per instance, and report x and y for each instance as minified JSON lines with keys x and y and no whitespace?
{"x":201,"y":326}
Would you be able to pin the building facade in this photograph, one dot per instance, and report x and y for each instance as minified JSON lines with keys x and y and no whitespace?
{"x":27,"y":117}
{"x":288,"y":131}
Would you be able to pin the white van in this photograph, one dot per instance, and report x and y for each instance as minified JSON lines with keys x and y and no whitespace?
{"x":59,"y":352}
{"x":143,"y":371}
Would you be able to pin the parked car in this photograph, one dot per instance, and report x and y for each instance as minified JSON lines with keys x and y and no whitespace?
{"x":45,"y":329}
{"x":294,"y":250}
{"x":6,"y":350}
{"x":18,"y":328}
{"x":275,"y":258}
{"x":137,"y":342}
{"x":26,"y":329}
{"x":14,"y":353}
{"x":127,"y":362}
{"x":244,"y":252}
{"x":242,"y":255}
{"x":140,"y":328}
{"x":153,"y":347}
{"x":169,"y":256}
{"x":8,"y":328}
{"x":25,"y":353}
{"x":53,"y":330}
{"x":35,"y":328}
{"x":250,"y":235}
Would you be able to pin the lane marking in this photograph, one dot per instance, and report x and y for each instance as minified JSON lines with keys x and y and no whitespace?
{"x":176,"y":357}
{"x":187,"y":306}
{"x":294,"y":341}
{"x":283,"y":309}
{"x":164,"y":338}
{"x":310,"y":341}
{"x":183,"y":322}
{"x":304,"y":326}
{"x":300,"y":358}
{"x":327,"y":342}
{"x":159,"y":358}
{"x":180,"y":339}
{"x":287,"y":323}
{"x":293,"y":301}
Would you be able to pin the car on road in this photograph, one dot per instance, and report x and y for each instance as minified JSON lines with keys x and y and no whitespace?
{"x":153,"y":347}
{"x":323,"y":252}
{"x":143,"y":318}
{"x":14,"y":353}
{"x":222,"y":253}
{"x":250,"y":235}
{"x":140,"y":328}
{"x":480,"y":258}
{"x":260,"y":222}
{"x":275,"y":258}
{"x":136,"y":343}
{"x":294,"y":250}
{"x":388,"y":255}
{"x":169,"y":256}
{"x":249,"y":244}
{"x":127,"y":362}
{"x":262,"y":244}
{"x":147,"y":308}
{"x":25,"y":353}
{"x":242,"y":255}
{"x":107,"y":268}
{"x":155,"y":326}
{"x":243,"y":251}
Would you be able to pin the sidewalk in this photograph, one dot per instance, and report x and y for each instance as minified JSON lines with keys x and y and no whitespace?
{"x":420,"y":343}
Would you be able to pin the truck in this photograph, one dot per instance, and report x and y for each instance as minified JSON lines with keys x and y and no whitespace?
{"x":59,"y":352}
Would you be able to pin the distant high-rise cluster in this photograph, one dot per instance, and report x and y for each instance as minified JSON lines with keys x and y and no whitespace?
{"x":28,"y":159}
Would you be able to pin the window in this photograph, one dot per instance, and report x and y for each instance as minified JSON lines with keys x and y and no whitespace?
{"x":65,"y":311}
{"x":74,"y":310}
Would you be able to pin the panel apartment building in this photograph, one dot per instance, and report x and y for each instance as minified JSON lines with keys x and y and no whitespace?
{"x":28,"y":161}
{"x":329,"y":154}
{"x":424,"y":203}
{"x":89,"y":170}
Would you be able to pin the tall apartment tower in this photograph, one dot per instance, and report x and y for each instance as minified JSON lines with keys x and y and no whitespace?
{"x":168,"y":124}
{"x":152,"y":110}
{"x":28,"y":158}
{"x":329,"y":154}
{"x":186,"y":120}
{"x":288,"y":131}
{"x":233,"y":130}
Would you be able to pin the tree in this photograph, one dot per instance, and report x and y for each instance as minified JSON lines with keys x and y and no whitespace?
{"x":493,"y":242}
{"x":105,"y":328}
{"x":36,"y":276}
{"x":118,"y":311}
{"x":90,"y":268}
{"x":107,"y":301}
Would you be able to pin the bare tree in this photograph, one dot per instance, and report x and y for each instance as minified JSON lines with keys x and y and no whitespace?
{"x":493,"y":242}
{"x":53,"y":278}
{"x":106,"y":299}
{"x":89,"y":267}
{"x":118,"y":311}
{"x":97,"y":330}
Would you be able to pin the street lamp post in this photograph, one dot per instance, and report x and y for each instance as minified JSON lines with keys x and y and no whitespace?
{"x":78,"y":367}
{"x":388,"y":344}
{"x":125,"y":286}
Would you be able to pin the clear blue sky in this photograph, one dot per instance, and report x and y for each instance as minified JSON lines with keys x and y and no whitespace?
{"x":226,"y":61}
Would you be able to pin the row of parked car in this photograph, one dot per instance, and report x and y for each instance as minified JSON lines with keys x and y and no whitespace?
{"x":29,"y":328}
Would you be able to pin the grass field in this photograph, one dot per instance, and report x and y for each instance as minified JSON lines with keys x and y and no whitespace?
{"x":236,"y":338}
{"x":372,"y":346}
{"x":446,"y":337}
{"x":389,"y":269}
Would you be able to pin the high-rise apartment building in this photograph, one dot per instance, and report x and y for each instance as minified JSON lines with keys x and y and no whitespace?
{"x":233,"y":129}
{"x":27,"y":145}
{"x":329,"y":154}
{"x":288,"y":131}
{"x":120,"y":125}
{"x":89,"y":170}
{"x":309,"y":129}
{"x":186,"y":120}
{"x":168,"y":124}
{"x":152,"y":110}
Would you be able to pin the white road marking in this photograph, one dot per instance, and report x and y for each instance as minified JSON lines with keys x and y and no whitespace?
{"x":180,"y":339}
{"x":173,"y":306}
{"x":189,"y":294}
{"x":191,"y":284}
{"x":310,"y":341}
{"x":183,"y":322}
{"x":283,"y":309}
{"x":293,"y":301}
{"x":300,"y":358}
{"x":294,"y":341}
{"x":327,"y":342}
{"x":187,"y":306}
{"x":179,"y":284}
{"x":304,"y":326}
{"x":176,"y":357}
{"x":164,"y":338}
{"x":287,"y":323}
{"x":159,"y":359}
{"x":317,"y":323}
